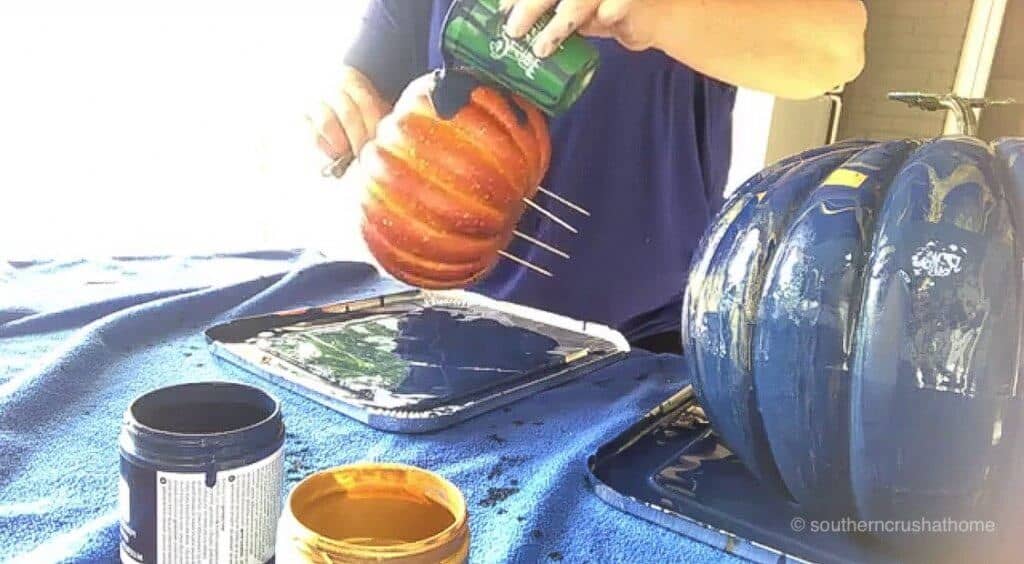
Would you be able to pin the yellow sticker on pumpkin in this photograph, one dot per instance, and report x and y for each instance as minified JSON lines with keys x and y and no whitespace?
{"x":845,"y":177}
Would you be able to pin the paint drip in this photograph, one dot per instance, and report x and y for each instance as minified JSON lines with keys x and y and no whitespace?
{"x":201,"y":475}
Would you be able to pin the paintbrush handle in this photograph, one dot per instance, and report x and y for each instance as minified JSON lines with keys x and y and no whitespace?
{"x":337,"y":167}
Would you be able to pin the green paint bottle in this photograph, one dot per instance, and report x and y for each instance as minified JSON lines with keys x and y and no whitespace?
{"x":474,"y":39}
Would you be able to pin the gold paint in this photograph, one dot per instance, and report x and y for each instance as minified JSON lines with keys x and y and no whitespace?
{"x":374,"y":513}
{"x":940,"y":188}
{"x":845,"y":177}
{"x":576,"y":355}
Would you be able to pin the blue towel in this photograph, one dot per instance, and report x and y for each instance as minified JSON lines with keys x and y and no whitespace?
{"x":79,"y":340}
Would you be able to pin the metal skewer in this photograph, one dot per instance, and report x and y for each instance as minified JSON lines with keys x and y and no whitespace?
{"x":337,"y":168}
{"x":540,"y":244}
{"x":531,"y":266}
{"x":563,"y":201}
{"x":550,"y":215}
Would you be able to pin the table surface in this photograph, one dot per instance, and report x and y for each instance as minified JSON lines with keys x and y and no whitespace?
{"x":80,"y":339}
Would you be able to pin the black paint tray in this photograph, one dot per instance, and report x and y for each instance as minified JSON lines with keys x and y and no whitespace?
{"x":416,"y":361}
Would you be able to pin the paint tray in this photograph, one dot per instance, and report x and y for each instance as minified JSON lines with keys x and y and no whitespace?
{"x":416,"y":361}
{"x":671,"y":469}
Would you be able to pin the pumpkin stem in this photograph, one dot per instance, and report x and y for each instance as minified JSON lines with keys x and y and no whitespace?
{"x":963,"y":108}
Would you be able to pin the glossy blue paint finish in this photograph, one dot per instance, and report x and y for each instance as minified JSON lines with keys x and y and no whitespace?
{"x":856,"y":342}
{"x":774,"y":171}
{"x":936,"y":349}
{"x":805,"y":324}
{"x":1010,"y":153}
{"x":722,"y":297}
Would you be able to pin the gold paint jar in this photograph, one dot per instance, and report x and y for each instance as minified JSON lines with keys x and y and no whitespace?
{"x":374,"y":513}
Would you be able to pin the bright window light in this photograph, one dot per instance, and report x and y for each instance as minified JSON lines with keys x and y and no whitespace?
{"x":141,"y":128}
{"x":157,"y":128}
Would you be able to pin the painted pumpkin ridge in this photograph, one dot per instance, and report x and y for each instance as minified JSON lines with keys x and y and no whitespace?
{"x":427,"y":198}
{"x":407,"y":262}
{"x":890,"y":306}
{"x":457,"y":169}
{"x":475,"y":139}
{"x":420,"y":238}
{"x":443,"y":197}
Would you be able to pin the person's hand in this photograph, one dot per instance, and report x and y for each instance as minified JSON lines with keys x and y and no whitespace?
{"x":626,"y":21}
{"x":347,"y":117}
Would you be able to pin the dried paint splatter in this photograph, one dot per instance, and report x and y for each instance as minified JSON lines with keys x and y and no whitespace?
{"x":503,"y":464}
{"x":497,"y":495}
{"x":497,"y":438}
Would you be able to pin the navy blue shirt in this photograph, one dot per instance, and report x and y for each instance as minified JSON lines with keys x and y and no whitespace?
{"x":646,"y":150}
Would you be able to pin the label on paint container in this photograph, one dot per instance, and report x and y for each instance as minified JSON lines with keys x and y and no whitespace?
{"x":172,"y":517}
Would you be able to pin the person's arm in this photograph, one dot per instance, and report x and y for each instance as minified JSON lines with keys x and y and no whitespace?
{"x":389,"y":51}
{"x":790,"y":48}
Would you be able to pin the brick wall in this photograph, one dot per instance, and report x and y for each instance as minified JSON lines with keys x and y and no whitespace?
{"x":911,"y":45}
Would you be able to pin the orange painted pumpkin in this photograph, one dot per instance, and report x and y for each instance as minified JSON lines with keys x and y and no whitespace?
{"x":442,"y":197}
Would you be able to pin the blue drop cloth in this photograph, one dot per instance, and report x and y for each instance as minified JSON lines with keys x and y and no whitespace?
{"x":79,"y":340}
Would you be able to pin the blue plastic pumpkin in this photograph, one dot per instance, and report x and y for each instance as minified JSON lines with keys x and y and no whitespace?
{"x":852,"y":325}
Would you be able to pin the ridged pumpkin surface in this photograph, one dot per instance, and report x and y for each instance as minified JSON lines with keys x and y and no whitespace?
{"x":442,"y":197}
{"x":852,"y":324}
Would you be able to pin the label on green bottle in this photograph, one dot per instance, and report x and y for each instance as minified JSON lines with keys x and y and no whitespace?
{"x":504,"y":47}
{"x":474,"y":38}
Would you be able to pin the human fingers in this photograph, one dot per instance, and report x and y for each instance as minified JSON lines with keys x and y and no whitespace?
{"x":569,"y":16}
